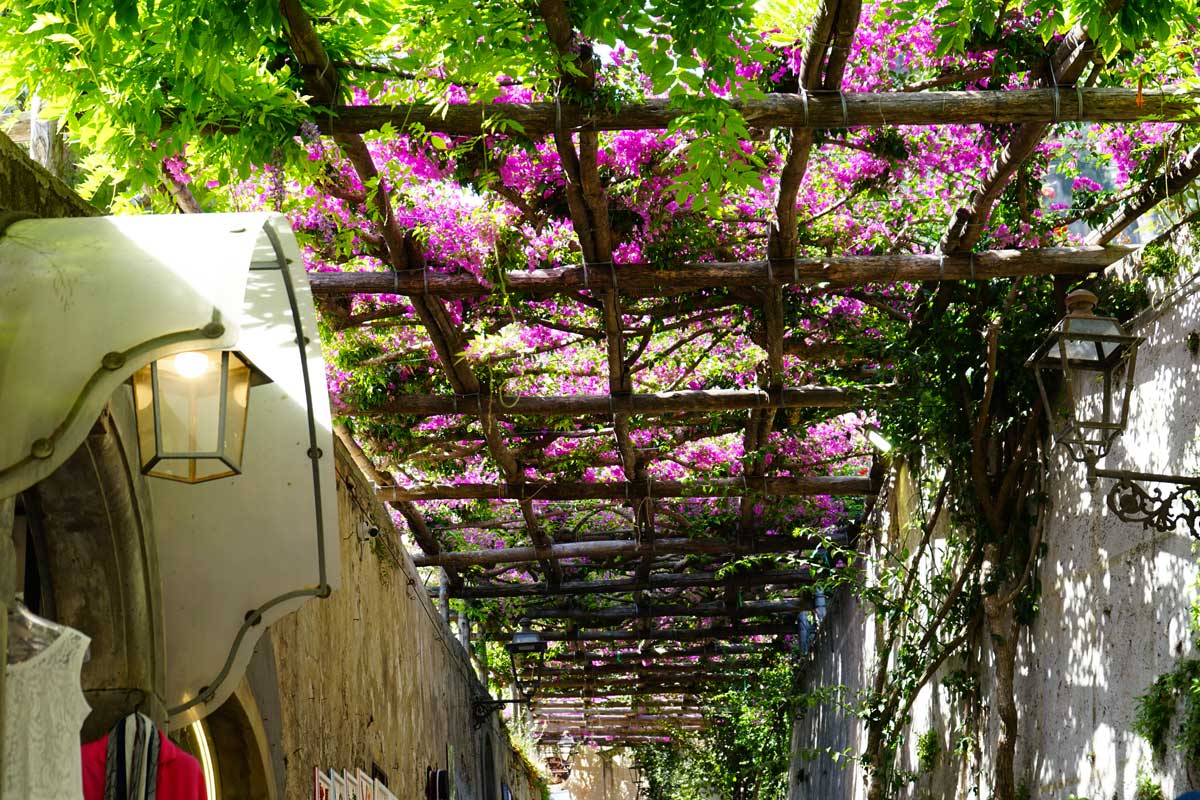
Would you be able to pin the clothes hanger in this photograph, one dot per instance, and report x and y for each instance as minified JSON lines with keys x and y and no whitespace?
{"x":29,"y":634}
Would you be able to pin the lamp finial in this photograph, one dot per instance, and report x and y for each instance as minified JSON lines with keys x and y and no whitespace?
{"x":1081,"y":302}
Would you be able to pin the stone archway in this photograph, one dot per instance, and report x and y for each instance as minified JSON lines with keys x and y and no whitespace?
{"x":102,"y":570}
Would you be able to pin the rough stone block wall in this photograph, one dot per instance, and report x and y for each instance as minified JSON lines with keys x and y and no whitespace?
{"x":25,"y":186}
{"x":373,"y":676}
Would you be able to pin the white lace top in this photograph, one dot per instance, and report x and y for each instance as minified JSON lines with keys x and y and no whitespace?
{"x":44,"y":709}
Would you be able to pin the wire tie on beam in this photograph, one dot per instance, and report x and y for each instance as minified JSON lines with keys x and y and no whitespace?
{"x":425,"y":277}
{"x":804,"y":104}
{"x":795,"y":269}
{"x":770,"y":273}
{"x":585,"y":274}
{"x":941,"y":266}
{"x":845,"y":113}
{"x":1054,"y":80}
{"x":1079,"y":97}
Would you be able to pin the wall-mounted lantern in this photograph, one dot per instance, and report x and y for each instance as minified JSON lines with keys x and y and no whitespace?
{"x":1090,"y":352}
{"x":525,"y":642}
{"x":566,"y":749}
{"x":191,"y":415}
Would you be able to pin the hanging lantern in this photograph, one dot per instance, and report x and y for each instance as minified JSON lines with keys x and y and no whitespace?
{"x":527,"y":643}
{"x":191,"y":415}
{"x":1089,"y":352}
{"x":566,"y":749}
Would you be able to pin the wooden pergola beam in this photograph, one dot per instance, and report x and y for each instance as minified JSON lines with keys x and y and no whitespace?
{"x":652,"y":610}
{"x":624,"y":585}
{"x":649,"y":403}
{"x":612,"y":549}
{"x":835,"y":485}
{"x":670,"y":634}
{"x":708,"y":650}
{"x":837,"y":270}
{"x":633,"y":713}
{"x":552,"y":733}
{"x":818,"y":110}
{"x":635,"y":670}
{"x":639,"y":683}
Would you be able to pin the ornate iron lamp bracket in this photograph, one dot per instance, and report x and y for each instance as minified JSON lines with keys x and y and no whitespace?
{"x":1160,"y":509}
{"x":483,"y":707}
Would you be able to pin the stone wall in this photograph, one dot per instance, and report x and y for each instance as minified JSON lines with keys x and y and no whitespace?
{"x":26,"y":186}
{"x":372,"y":676}
{"x":1113,"y":616}
{"x":599,"y":775}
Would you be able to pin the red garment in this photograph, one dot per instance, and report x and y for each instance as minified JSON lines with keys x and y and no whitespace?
{"x":179,"y":774}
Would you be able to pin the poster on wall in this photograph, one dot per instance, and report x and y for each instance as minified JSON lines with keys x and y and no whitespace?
{"x":322,"y":786}
{"x":382,"y":792}
{"x":366,"y":786}
{"x":353,"y":789}
{"x":339,"y":785}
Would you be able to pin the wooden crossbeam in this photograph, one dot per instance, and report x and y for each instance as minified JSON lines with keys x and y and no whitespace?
{"x":541,"y":706}
{"x":652,"y":610}
{"x":624,"y":585}
{"x":838,"y":270}
{"x":639,"y":683}
{"x":836,"y":485}
{"x":670,"y":634}
{"x":635,"y":670}
{"x":613,"y":549}
{"x":630,"y":714}
{"x":708,"y":650}
{"x":818,"y":110}
{"x":648,"y":403}
{"x":552,"y":733}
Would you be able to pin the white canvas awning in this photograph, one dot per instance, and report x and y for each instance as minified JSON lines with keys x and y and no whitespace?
{"x":84,"y":303}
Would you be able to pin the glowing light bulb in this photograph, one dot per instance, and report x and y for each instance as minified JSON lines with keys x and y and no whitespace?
{"x":191,"y":365}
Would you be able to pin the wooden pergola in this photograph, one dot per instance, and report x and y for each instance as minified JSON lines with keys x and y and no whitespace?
{"x":667,"y":589}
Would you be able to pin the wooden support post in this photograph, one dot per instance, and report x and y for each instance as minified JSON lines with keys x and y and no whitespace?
{"x":443,"y":596}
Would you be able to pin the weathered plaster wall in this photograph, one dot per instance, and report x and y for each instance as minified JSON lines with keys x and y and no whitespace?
{"x":372,"y":675}
{"x":599,"y":775}
{"x":1114,"y":615}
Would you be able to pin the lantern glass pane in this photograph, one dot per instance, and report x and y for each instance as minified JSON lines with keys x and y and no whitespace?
{"x":237,"y":402}
{"x":143,"y":406}
{"x":1088,"y":349}
{"x":191,"y":415}
{"x":188,"y":393}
